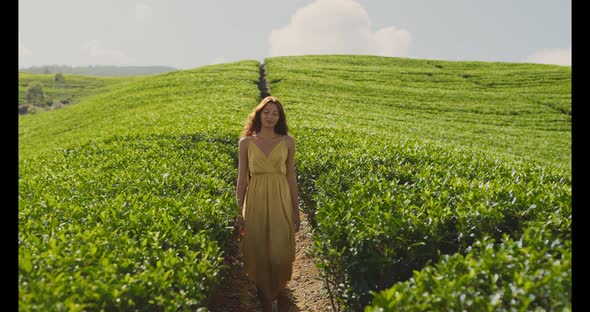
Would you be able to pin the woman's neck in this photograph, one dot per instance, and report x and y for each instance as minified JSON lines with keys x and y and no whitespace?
{"x":266,"y":133}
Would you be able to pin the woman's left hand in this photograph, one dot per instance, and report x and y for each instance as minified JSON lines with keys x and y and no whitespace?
{"x":240,"y":227}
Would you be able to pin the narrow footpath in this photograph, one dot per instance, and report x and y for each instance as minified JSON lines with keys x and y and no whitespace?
{"x":306,"y":289}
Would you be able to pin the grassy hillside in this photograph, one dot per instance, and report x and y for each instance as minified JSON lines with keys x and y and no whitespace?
{"x":72,"y":90}
{"x":401,"y":163}
{"x":124,"y":198}
{"x":178,"y":102}
{"x":405,"y":162}
{"x":509,"y":109}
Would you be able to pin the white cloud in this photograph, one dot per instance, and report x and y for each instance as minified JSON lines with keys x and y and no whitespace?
{"x":105,"y":56}
{"x":143,"y":12}
{"x":392,"y":41}
{"x":336,"y":27}
{"x":552,"y":56}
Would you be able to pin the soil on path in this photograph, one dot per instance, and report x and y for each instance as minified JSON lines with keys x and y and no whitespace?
{"x":306,"y":289}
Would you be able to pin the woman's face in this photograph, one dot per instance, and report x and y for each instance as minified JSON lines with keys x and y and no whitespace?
{"x":270,"y":115}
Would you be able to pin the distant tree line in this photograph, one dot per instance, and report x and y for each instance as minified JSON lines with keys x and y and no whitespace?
{"x":99,"y":70}
{"x":37,"y":100}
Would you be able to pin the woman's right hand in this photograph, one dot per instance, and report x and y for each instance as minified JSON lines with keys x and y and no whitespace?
{"x":240,"y":227}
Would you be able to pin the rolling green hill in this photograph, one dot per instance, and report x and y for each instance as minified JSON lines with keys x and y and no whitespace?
{"x":408,"y":161}
{"x":71,"y":90}
{"x":411,"y":170}
{"x":513,"y":109}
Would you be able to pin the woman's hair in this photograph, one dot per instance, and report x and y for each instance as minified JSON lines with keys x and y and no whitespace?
{"x":254,"y":124}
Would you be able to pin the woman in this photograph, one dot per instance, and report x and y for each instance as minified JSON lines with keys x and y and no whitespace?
{"x":268,"y":199}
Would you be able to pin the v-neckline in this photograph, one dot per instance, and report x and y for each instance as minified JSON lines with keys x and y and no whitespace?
{"x":272,"y":150}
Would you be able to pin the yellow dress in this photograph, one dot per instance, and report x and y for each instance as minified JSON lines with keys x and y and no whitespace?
{"x":268,"y":245}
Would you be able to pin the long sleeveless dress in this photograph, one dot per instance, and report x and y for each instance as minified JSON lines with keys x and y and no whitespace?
{"x":268,"y":245}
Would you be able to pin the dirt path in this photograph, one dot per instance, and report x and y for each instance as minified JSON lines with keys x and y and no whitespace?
{"x":306,"y":290}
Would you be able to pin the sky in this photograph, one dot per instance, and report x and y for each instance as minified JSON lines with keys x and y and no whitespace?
{"x":186,"y":34}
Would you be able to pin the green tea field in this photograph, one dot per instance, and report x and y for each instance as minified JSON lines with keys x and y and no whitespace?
{"x":429,"y":185}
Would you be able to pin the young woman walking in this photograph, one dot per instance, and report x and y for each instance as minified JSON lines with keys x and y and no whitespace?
{"x":268,"y":201}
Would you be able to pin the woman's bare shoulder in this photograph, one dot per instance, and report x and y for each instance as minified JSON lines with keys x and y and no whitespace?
{"x":289,"y":140}
{"x":244,"y":141}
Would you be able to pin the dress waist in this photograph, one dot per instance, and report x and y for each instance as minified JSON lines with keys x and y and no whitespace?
{"x":267,"y":173}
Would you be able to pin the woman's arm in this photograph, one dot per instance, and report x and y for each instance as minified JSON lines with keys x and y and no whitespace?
{"x":243,"y":172}
{"x":292,"y":178}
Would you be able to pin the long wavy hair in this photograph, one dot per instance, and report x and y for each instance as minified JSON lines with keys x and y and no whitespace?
{"x":253,"y":125}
